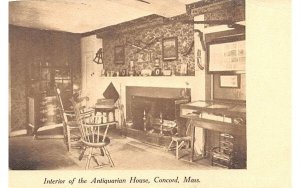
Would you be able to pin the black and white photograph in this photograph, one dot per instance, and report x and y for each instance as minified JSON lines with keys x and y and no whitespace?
{"x":67,"y":123}
{"x":80,"y":98}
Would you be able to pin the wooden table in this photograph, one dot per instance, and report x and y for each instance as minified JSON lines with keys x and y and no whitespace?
{"x":208,"y":115}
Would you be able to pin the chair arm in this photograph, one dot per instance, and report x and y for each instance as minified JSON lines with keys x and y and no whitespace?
{"x":86,"y":115}
{"x":70,"y":113}
{"x":82,"y":112}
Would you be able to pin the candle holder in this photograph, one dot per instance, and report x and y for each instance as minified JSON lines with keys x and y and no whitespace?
{"x":145,"y":121}
{"x":161,"y":121}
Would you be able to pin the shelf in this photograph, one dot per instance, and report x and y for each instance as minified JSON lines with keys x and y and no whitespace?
{"x":120,"y":77}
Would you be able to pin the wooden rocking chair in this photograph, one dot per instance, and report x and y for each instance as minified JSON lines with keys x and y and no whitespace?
{"x":71,"y":128}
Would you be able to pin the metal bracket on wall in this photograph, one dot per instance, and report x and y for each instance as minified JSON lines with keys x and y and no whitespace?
{"x":200,"y":33}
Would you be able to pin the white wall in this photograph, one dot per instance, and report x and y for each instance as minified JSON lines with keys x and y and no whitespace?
{"x":90,"y":70}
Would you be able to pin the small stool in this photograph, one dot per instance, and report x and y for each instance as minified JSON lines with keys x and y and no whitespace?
{"x":181,"y":141}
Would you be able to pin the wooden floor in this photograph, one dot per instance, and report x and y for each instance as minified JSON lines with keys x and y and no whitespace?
{"x":26,"y":153}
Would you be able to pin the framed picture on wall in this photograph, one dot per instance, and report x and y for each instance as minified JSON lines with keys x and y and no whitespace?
{"x":230,"y":81}
{"x":227,"y":55}
{"x":169,"y":49}
{"x":119,"y":55}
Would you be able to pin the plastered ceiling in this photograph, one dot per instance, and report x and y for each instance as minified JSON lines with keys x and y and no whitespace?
{"x":80,"y":16}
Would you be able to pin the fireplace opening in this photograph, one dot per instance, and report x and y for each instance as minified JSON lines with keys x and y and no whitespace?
{"x":149,"y":113}
{"x":156,"y":111}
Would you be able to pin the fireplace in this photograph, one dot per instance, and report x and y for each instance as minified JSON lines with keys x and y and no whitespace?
{"x":154,"y":111}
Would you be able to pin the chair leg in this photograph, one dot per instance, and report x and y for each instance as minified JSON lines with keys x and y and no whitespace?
{"x":109,"y":157}
{"x":170,"y":145}
{"x":82,"y":153}
{"x":95,"y":160}
{"x":101,"y":152}
{"x":88,"y":159}
{"x":65,"y":134}
{"x":69,"y":138}
{"x":177,"y":150}
{"x":181,"y":145}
